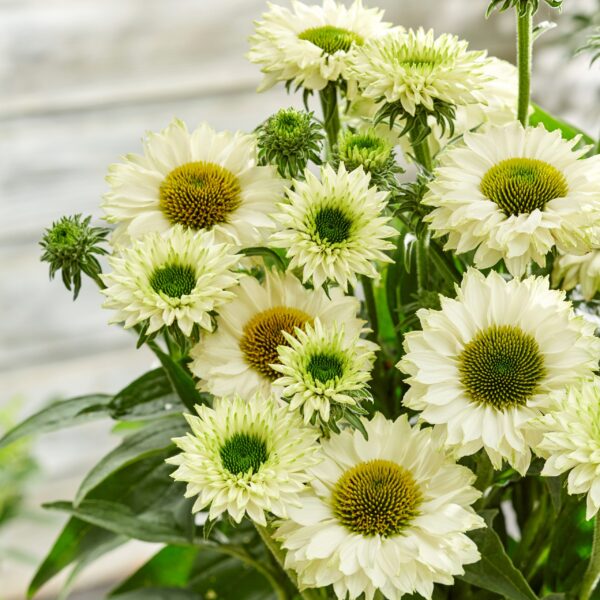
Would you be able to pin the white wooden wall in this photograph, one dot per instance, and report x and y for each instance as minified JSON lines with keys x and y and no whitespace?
{"x":80,"y":82}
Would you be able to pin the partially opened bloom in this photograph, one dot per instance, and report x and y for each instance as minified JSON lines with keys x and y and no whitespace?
{"x":570,"y":271}
{"x":415,"y":69}
{"x":175,"y":279}
{"x":513,"y":193}
{"x":484,"y":365}
{"x":238,"y":357}
{"x":309,"y":45}
{"x":200,"y":180}
{"x":323,"y":368}
{"x":389,"y":513}
{"x":245,"y":456}
{"x":334,"y":228}
{"x":571,"y":440}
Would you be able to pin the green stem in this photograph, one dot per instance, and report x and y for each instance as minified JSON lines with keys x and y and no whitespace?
{"x":367,"y":284}
{"x":524,"y":53}
{"x":422,"y":153}
{"x":279,"y":556}
{"x":331,"y":115}
{"x":590,"y":579}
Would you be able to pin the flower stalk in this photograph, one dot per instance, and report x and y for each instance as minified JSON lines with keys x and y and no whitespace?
{"x":592,"y":574}
{"x":524,"y":55}
{"x":331,"y":115}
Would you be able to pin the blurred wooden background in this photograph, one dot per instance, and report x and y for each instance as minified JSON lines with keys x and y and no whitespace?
{"x":80,"y":82}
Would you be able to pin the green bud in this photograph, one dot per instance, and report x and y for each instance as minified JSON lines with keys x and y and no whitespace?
{"x":70,"y":246}
{"x":289,"y":139}
{"x":522,"y":6}
{"x":371,"y":152}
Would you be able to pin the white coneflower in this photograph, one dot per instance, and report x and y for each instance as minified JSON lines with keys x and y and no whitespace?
{"x":334,"y":228}
{"x":238,"y":357}
{"x":571,"y":440}
{"x":245,"y":457}
{"x":513,"y":193}
{"x":389,"y":513}
{"x":175,"y":279}
{"x":200,"y":180}
{"x":483,"y":366}
{"x":414,"y":69}
{"x":323,"y":368}
{"x":309,"y":45}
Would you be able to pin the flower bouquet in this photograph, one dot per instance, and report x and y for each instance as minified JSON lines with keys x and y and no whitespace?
{"x":371,"y":382}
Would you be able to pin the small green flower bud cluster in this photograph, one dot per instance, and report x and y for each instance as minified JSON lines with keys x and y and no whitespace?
{"x":289,"y":139}
{"x":70,"y":246}
{"x":522,"y":6}
{"x":371,"y":152}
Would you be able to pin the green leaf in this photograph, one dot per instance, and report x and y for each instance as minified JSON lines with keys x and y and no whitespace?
{"x":149,"y":441}
{"x":495,"y":571}
{"x":181,"y":380}
{"x":59,"y":415}
{"x":157,"y":525}
{"x":170,"y":567}
{"x":148,"y":397}
{"x":78,"y":539}
{"x":552,"y":123}
{"x":570,"y":546}
{"x":270,"y":256}
{"x":142,"y":487}
{"x":159,"y":594}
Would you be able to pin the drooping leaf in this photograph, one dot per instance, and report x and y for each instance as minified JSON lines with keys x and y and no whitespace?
{"x":59,"y":415}
{"x":76,"y":540}
{"x":495,"y":571}
{"x":158,"y":524}
{"x":153,"y":439}
{"x":148,"y":397}
{"x":142,"y":487}
{"x":552,"y":123}
{"x":181,"y":380}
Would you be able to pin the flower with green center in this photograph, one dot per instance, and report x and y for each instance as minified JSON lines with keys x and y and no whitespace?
{"x":177,"y":279}
{"x":371,"y":152}
{"x":241,"y":356}
{"x":570,"y":440}
{"x":289,"y":139}
{"x":389,"y":513}
{"x":199,"y":180}
{"x":513,"y":194}
{"x":584,"y":271}
{"x":245,"y":456}
{"x":483,"y":366}
{"x":324,"y":372}
{"x":71,"y":246}
{"x":412,"y":70}
{"x":309,"y":46}
{"x":335,"y":228}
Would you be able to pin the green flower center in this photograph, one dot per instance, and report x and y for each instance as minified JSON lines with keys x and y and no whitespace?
{"x":332,"y":225}
{"x":501,"y":366}
{"x":370,"y":151}
{"x":199,"y":195}
{"x":325,"y":367}
{"x":522,"y":185}
{"x":243,"y":452}
{"x":263,"y":334}
{"x":173,"y":280}
{"x":377,"y":497}
{"x":331,"y":39}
